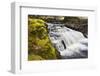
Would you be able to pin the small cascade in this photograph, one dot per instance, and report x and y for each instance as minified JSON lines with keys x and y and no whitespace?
{"x":70,"y":43}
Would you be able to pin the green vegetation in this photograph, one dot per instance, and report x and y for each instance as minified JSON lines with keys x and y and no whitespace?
{"x":34,"y":57}
{"x":39,"y":45}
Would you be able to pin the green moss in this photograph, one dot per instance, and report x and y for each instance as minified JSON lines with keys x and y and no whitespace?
{"x":39,"y":45}
{"x":34,"y":57}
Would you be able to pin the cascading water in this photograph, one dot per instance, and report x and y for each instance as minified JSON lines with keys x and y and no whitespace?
{"x":70,"y":43}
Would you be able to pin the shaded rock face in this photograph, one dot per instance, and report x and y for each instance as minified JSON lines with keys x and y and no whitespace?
{"x":82,"y":28}
{"x":77,"y":23}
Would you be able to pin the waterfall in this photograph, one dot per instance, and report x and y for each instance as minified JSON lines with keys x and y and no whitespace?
{"x":70,"y":43}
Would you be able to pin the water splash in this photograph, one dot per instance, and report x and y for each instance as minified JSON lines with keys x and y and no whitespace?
{"x":70,"y":43}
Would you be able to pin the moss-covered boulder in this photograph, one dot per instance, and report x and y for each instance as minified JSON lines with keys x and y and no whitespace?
{"x":34,"y":57}
{"x":39,"y":44}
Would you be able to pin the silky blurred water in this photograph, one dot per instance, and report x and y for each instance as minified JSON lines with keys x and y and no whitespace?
{"x":70,"y":43}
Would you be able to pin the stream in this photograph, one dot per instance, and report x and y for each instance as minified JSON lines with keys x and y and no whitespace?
{"x":68,"y":42}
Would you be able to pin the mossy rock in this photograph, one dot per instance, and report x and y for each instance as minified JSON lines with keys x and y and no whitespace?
{"x":39,"y":44}
{"x":34,"y":57}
